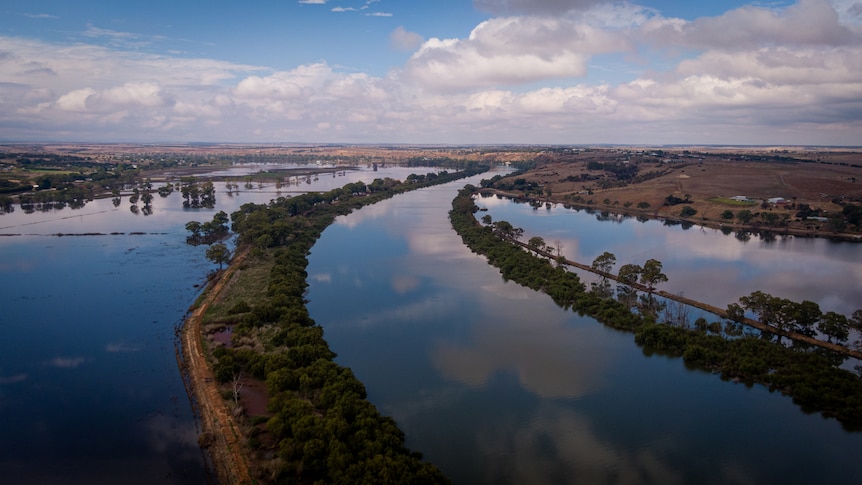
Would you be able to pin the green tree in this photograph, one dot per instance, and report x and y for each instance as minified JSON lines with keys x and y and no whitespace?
{"x":651,"y":274}
{"x":629,"y":273}
{"x":837,"y":223}
{"x":536,"y":243}
{"x":727,"y":215}
{"x":770,"y":218}
{"x":735,"y":312}
{"x":195,"y":228}
{"x":604,"y":262}
{"x":834,"y":325}
{"x":744,"y":216}
{"x":218,"y":253}
{"x":687,"y":211}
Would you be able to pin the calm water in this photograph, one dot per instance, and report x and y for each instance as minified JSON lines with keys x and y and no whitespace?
{"x":704,"y":264}
{"x":496,"y":384}
{"x":89,"y":386}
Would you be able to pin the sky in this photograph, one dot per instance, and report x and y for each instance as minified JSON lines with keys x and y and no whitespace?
{"x":656,"y":72}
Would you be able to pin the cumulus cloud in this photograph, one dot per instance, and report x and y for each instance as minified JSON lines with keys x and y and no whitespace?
{"x":751,"y":75}
{"x":806,"y":23}
{"x":512,"y":50}
{"x":404,"y":40}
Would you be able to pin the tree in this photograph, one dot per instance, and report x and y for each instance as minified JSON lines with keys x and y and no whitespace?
{"x":487,"y":220}
{"x":744,"y":216}
{"x":806,"y":315}
{"x":629,"y":273}
{"x":536,"y":243}
{"x":218,"y":253}
{"x":770,"y":218}
{"x":503,"y":229}
{"x":195,"y":228}
{"x":604,"y":262}
{"x":834,"y":325}
{"x":651,"y":274}
{"x":727,"y":215}
{"x":856,"y":320}
{"x":687,"y":211}
{"x":735,"y":312}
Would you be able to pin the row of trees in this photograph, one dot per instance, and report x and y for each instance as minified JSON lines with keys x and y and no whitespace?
{"x":805,"y":318}
{"x":322,"y":427}
{"x":812,"y":376}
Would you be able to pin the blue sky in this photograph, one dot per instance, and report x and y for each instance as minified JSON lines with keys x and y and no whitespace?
{"x":386,"y":71}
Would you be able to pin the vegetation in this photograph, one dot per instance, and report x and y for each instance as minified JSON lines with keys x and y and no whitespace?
{"x":811,"y":376}
{"x":322,"y":429}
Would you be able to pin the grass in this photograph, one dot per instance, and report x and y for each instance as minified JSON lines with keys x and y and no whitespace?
{"x":726,"y":201}
{"x":249,"y":284}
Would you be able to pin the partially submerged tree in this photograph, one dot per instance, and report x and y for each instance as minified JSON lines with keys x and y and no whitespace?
{"x":651,"y":274}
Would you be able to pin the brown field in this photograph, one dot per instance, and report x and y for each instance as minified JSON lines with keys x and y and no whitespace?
{"x":705,"y":176}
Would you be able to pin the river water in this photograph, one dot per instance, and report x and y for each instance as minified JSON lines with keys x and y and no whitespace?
{"x":90,"y":391}
{"x":496,"y":384}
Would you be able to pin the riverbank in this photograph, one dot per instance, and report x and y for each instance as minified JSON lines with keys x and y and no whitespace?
{"x":694,"y":221}
{"x":810,"y":376}
{"x":219,"y":432}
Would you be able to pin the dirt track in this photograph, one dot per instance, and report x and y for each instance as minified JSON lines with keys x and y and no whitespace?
{"x":220,"y":433}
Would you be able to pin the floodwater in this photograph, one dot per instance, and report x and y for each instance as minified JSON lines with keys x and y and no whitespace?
{"x":495,"y":384}
{"x":90,"y":391}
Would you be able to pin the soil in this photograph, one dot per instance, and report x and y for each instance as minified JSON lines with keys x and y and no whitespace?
{"x":820,"y":181}
{"x":221,"y":434}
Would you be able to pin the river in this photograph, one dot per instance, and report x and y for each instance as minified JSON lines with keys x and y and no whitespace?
{"x":496,"y":384}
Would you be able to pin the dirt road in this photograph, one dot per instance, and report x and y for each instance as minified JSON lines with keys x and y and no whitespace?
{"x":220,"y":433}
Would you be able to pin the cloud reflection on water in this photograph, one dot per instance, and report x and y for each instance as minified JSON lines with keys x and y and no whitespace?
{"x":560,"y":446}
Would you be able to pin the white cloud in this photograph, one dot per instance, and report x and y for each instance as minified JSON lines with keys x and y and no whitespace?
{"x":752,"y":75}
{"x":512,"y":50}
{"x":806,"y":23}
{"x":312,"y":2}
{"x":404,"y":40}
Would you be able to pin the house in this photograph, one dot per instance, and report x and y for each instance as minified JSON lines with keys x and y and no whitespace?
{"x":776,"y":200}
{"x":740,"y":198}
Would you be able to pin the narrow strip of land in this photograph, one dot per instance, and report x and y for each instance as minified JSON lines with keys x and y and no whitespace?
{"x":220,"y":432}
{"x":798,"y":337}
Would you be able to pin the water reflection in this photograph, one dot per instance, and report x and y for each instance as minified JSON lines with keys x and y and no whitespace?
{"x":495,"y":384}
{"x":705,"y":264}
{"x":551,"y":358}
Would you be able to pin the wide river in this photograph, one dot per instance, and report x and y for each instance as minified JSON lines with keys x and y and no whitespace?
{"x":491,"y":381}
{"x":496,"y":384}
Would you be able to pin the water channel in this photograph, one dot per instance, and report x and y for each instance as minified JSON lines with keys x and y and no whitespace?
{"x":496,"y":384}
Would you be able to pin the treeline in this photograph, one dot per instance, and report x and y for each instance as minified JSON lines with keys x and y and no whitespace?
{"x":322,"y":429}
{"x":812,"y":377}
